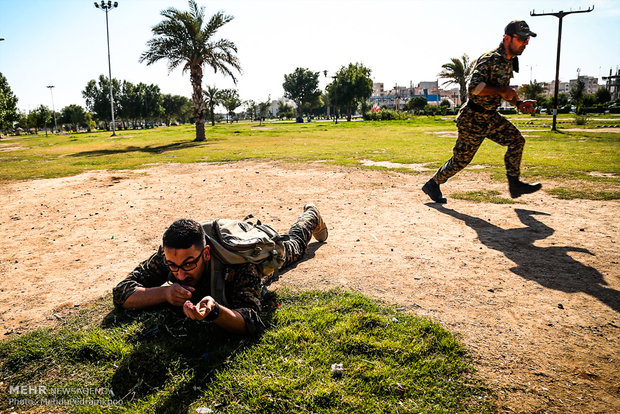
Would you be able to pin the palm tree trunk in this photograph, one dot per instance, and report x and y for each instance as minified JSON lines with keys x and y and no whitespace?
{"x":199,"y":103}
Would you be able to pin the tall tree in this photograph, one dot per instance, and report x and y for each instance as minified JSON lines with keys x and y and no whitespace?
{"x":352,"y":86}
{"x":185,"y":38}
{"x":230,"y":101}
{"x":457,"y":72}
{"x":213,"y":97}
{"x":302,"y":86}
{"x":173,"y":107}
{"x":8,"y":105}
{"x":129,"y":103}
{"x":73,"y":115}
{"x":97,"y":96}
{"x":39,"y":118}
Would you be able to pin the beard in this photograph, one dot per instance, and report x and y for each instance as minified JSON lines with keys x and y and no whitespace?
{"x":516,"y":50}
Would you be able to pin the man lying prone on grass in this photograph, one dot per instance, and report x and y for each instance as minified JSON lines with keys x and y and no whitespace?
{"x":183,"y":270}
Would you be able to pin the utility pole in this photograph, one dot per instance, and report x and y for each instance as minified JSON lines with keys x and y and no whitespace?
{"x":560,"y":15}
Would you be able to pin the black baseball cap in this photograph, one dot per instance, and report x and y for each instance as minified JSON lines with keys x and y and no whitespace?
{"x":518,"y":27}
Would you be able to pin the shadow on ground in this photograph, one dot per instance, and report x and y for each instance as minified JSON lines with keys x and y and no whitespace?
{"x":174,"y":358}
{"x":551,"y":267}
{"x":149,"y":149}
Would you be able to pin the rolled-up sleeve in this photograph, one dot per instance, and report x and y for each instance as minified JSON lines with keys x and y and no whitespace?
{"x":480,"y":73}
{"x":150,"y":273}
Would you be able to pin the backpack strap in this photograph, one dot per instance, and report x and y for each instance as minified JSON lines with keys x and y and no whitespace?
{"x":217,"y":282}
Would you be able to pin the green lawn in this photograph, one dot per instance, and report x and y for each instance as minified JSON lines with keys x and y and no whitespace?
{"x":159,"y":361}
{"x":566,"y":155}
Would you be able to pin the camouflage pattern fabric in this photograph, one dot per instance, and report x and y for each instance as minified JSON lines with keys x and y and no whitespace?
{"x":244,"y":286}
{"x":494,"y":69}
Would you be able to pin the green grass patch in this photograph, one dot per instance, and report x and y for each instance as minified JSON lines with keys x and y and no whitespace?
{"x":159,"y":361}
{"x":589,"y":194}
{"x":593,"y":156}
{"x":489,"y":196}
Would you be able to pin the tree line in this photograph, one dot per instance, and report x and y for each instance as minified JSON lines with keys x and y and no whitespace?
{"x":187,"y":39}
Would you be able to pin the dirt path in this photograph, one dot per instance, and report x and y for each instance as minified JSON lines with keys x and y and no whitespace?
{"x":532,"y":288}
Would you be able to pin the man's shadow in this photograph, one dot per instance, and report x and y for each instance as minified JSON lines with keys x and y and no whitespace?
{"x":173,"y":352}
{"x":551,"y":267}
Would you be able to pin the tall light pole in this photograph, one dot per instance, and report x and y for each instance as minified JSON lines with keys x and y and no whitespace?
{"x":107,"y":7}
{"x":50,"y":87}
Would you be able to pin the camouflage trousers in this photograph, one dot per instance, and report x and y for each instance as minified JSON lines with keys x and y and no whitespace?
{"x":473,"y":128}
{"x":300,"y":234}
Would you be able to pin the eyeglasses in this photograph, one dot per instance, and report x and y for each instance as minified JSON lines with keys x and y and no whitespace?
{"x":187,"y":266}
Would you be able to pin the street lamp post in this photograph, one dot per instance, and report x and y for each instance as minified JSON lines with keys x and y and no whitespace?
{"x":50,"y":87}
{"x":107,"y":7}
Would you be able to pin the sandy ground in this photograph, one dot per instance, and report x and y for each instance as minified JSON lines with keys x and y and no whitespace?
{"x":532,"y":288}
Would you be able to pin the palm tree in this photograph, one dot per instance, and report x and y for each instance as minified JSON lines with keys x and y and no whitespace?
{"x":457,"y":72}
{"x":184,"y":38}
{"x":213,"y":97}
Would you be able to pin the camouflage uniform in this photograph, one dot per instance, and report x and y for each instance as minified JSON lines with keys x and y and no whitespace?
{"x":244,"y":285}
{"x":479,"y":119}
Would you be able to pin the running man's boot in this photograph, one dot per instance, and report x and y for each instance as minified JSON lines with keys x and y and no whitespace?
{"x":431,"y":188}
{"x":518,"y":188}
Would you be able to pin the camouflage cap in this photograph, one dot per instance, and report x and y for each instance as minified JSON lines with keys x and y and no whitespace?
{"x":518,"y":27}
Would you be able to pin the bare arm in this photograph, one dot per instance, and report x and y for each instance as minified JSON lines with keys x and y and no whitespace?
{"x":508,"y":94}
{"x":228,"y":319}
{"x":175,"y":294}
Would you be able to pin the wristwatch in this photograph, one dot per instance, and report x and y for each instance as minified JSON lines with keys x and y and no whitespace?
{"x":214,"y":314}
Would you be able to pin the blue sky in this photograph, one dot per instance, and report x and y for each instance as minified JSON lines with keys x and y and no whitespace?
{"x":63,"y":42}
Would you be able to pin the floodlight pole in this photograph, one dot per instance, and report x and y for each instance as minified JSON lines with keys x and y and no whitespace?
{"x":50,"y":87}
{"x":560,"y":15}
{"x":107,"y":7}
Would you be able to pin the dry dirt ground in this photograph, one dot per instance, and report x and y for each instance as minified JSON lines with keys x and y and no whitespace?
{"x":531,"y":288}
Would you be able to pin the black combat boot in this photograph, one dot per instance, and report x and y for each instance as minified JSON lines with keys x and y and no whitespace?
{"x":518,"y":188}
{"x":431,"y":188}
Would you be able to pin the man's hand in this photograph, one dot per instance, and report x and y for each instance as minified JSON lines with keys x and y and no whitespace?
{"x":509,"y":95}
{"x":527,"y":107}
{"x":177,"y":294}
{"x":506,"y":92}
{"x":201,"y":310}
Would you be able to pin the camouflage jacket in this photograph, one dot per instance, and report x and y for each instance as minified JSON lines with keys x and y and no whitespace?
{"x":495,"y":69}
{"x":243,"y":286}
